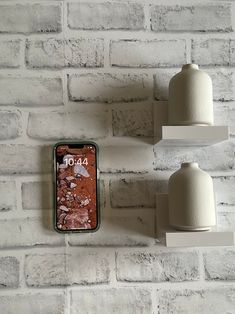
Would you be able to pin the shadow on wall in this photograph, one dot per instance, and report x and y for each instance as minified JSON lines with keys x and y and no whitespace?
{"x":135,"y":195}
{"x":129,"y":220}
{"x":128,"y":97}
{"x":127,"y":209}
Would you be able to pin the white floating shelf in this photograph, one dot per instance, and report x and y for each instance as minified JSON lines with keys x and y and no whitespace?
{"x":173,"y":238}
{"x":167,"y":135}
{"x":193,"y":135}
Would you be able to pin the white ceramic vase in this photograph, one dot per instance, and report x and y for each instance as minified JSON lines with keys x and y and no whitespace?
{"x":191,"y":199}
{"x":190,"y":97}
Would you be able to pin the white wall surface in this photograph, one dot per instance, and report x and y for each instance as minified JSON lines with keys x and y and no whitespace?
{"x":94,"y":70}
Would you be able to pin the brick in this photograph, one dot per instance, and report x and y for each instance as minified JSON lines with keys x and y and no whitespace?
{"x":215,"y":158}
{"x":9,"y":272}
{"x":107,"y":87}
{"x":132,"y":122}
{"x":10,"y":124}
{"x":82,"y":125}
{"x":45,"y":270}
{"x":30,"y":18}
{"x":87,"y":268}
{"x":10,"y":53}
{"x":222,"y":80}
{"x":136,"y":229}
{"x":232,"y":52}
{"x":226,"y":220}
{"x":21,"y":159}
{"x":135,"y":192}
{"x":60,"y":269}
{"x":31,"y":91}
{"x":222,"y":114}
{"x":105,"y":16}
{"x":224,"y":188}
{"x":219,"y":264}
{"x":201,"y":18}
{"x":28,"y":232}
{"x":8,"y":196}
{"x":37,"y":195}
{"x":152,"y":53}
{"x":213,"y":51}
{"x":157,"y":267}
{"x":57,"y":53}
{"x":47,"y":303}
{"x":133,"y":159}
{"x":116,"y":300}
{"x":217,"y":301}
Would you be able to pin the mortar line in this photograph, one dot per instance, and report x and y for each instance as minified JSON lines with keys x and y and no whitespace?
{"x":201,"y":266}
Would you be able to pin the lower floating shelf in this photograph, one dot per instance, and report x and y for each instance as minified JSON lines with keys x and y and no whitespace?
{"x":175,"y":238}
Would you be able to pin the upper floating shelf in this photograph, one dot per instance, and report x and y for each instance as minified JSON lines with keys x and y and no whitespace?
{"x":193,"y":135}
{"x":167,"y":135}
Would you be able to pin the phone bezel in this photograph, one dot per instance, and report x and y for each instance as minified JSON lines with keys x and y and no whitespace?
{"x":55,"y":188}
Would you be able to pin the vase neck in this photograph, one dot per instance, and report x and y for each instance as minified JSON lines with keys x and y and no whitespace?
{"x":190,"y":66}
{"x":189,"y":165}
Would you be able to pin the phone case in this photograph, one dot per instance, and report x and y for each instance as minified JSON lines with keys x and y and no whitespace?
{"x":97,"y":187}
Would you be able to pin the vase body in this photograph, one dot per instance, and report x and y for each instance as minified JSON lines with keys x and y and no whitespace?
{"x":191,"y":199}
{"x":190,"y":97}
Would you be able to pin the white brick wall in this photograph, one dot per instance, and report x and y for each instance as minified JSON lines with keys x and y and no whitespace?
{"x":152,"y":267}
{"x":133,"y":121}
{"x":10,"y":124}
{"x":99,"y":16}
{"x":61,"y":270}
{"x":135,"y":53}
{"x":30,"y":18}
{"x":108,"y":87}
{"x":219,"y":157}
{"x":56,"y":53}
{"x":93,"y":70}
{"x":218,"y":264}
{"x":124,"y":230}
{"x":20,"y":158}
{"x":28,"y":303}
{"x":72,"y":126}
{"x":9,"y":272}
{"x":135,"y":192}
{"x":112,"y":300}
{"x":201,"y":18}
{"x":37,"y":195}
{"x":10,"y":53}
{"x":30,"y":91}
{"x":217,"y":300}
{"x":28,"y":232}
{"x":7,"y":188}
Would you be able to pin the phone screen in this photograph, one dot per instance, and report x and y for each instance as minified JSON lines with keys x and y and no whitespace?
{"x":76,"y":187}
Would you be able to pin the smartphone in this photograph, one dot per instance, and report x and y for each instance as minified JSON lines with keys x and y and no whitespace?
{"x":76,"y":204}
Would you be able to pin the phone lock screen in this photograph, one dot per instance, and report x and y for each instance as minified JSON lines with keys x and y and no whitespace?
{"x":76,"y":205}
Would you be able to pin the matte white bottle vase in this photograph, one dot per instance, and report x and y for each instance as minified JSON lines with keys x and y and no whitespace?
{"x":191,"y":199}
{"x":190,"y":97}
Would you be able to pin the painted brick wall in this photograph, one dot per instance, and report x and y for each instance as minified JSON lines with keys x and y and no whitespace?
{"x":94,"y":70}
